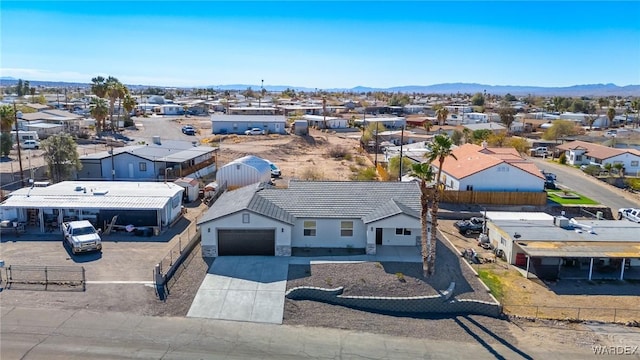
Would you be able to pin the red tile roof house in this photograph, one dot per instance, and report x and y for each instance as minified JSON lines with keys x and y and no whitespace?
{"x":584,"y":153}
{"x":480,"y":168}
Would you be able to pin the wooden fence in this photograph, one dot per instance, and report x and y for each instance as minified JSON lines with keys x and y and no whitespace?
{"x":494,"y":198}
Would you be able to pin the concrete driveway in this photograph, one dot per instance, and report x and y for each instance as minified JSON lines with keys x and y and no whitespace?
{"x":243,"y":288}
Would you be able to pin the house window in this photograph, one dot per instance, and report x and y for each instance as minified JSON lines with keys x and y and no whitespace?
{"x":309,"y":228}
{"x":245,"y":218}
{"x":634,"y":163}
{"x":401,"y":231}
{"x":469,"y":187}
{"x":346,"y":228}
{"x":578,"y":157}
{"x":503,"y":242}
{"x":142,"y":166}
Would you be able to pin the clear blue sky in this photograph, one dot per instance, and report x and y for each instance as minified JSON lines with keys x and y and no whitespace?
{"x":323,"y":44}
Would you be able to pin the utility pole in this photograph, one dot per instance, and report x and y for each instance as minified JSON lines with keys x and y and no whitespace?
{"x":261,"y":92}
{"x":401,"y":142}
{"x":15,"y":122}
{"x":376,"y":148}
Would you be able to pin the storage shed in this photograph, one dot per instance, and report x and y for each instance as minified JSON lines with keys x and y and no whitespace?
{"x":244,"y":171}
{"x":191,"y":188}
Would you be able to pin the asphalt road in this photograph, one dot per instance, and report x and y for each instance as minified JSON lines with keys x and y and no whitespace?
{"x":586,"y":185}
{"x":82,"y":334}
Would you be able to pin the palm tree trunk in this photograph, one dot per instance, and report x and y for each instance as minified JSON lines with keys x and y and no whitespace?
{"x":431,"y":256}
{"x":424,"y":238}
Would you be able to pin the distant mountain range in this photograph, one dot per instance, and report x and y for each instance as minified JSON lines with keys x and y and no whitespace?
{"x":447,"y":88}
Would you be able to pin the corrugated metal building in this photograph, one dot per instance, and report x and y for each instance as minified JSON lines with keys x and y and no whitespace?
{"x":244,"y":171}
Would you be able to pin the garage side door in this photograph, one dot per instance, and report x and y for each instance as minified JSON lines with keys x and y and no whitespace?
{"x":246,"y":242}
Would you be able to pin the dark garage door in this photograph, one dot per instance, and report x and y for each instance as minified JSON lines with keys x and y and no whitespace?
{"x":246,"y":242}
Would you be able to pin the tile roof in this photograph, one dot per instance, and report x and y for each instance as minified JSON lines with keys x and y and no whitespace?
{"x":369,"y":201}
{"x":472,"y":159}
{"x":596,"y":151}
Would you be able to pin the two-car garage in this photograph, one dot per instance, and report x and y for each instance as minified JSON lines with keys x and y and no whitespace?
{"x":246,"y":242}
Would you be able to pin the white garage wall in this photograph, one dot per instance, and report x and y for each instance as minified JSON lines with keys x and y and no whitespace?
{"x":210,"y":234}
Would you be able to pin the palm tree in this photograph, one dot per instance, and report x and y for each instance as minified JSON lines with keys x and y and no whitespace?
{"x":115,"y":90}
{"x":128,"y":103}
{"x":427,"y":125}
{"x":424,"y":172}
{"x":619,"y":169}
{"x":635,"y":105}
{"x":99,"y":111}
{"x":99,"y":86}
{"x":441,"y":149}
{"x":442,"y":113}
{"x":7,"y":118}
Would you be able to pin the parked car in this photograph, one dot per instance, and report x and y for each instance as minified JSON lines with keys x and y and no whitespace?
{"x":540,"y":151}
{"x":254,"y":131}
{"x":188,"y":130}
{"x":468,"y":227}
{"x":31,"y":144}
{"x":275,"y":170}
{"x":629,"y":214}
{"x":81,"y":236}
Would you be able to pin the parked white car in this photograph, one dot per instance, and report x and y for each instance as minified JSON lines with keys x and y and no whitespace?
{"x":629,"y":214}
{"x":254,"y":131}
{"x":30,"y":144}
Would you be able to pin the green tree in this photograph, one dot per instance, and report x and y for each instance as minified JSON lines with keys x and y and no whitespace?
{"x":441,"y":149}
{"x":427,"y":125}
{"x":497,"y":139}
{"x":424,"y":172}
{"x":481,"y":135}
{"x":509,"y":97}
{"x":399,"y":100}
{"x":61,"y":156}
{"x":115,"y":90}
{"x":41,"y":100}
{"x":477,"y":99}
{"x":619,"y":169}
{"x":441,"y":114}
{"x":457,"y":137}
{"x":371,"y":130}
{"x":394,"y":166}
{"x":559,"y":129}
{"x":20,"y":88}
{"x":128,"y":103}
{"x":518,"y":143}
{"x":99,"y":110}
{"x":99,"y":86}
{"x":249,"y":93}
{"x":7,"y":117}
{"x":6,"y":143}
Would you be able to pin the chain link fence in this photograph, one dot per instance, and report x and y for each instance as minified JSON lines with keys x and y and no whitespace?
{"x":52,"y":278}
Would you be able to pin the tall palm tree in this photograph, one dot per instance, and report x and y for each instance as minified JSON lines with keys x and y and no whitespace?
{"x":424,"y":172}
{"x":611,"y":114}
{"x":99,"y":111}
{"x":128,"y":103}
{"x":441,"y":149}
{"x":115,"y":90}
{"x":99,"y":86}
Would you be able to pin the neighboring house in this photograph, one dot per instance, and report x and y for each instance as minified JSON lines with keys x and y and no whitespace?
{"x":168,"y":109}
{"x":581,"y":152}
{"x":319,"y":121}
{"x":493,"y":127}
{"x":43,"y":209}
{"x":244,"y":171}
{"x":416,"y":152}
{"x":263,"y":220}
{"x":238,"y":124}
{"x":480,"y":168}
{"x":66,"y":120}
{"x":288,"y":110}
{"x":250,"y":110}
{"x":388,"y":122}
{"x":558,"y":247}
{"x":150,"y":162}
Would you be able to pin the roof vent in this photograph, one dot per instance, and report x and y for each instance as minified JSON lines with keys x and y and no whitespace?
{"x":79,"y":188}
{"x":156,"y":140}
{"x":561,"y":221}
{"x":100,"y":191}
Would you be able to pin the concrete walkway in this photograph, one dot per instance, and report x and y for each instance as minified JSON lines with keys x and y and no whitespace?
{"x":252,"y":288}
{"x":243,"y":288}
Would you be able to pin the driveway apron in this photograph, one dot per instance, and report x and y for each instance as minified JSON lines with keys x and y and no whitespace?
{"x":243,"y":288}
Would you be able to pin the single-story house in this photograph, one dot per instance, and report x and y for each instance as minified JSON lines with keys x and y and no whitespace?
{"x":160,"y":160}
{"x":68,"y":120}
{"x":557,"y":247}
{"x":238,"y":124}
{"x":332,"y":122}
{"x":491,"y":126}
{"x":388,"y":122}
{"x":252,"y":110}
{"x":582,"y":152}
{"x":300,"y":109}
{"x":264,"y":220}
{"x":43,"y":209}
{"x":480,"y":168}
{"x":244,"y":171}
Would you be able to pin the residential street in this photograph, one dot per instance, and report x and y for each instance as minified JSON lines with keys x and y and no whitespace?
{"x":67,"y":334}
{"x":588,"y":186}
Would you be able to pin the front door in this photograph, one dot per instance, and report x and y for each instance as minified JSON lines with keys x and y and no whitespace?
{"x":378,"y":236}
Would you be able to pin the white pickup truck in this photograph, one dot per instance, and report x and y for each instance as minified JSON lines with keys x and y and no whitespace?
{"x":629,"y":214}
{"x":81,"y":236}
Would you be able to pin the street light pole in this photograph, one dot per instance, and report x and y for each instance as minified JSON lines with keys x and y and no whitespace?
{"x":401,"y":142}
{"x":15,"y":122}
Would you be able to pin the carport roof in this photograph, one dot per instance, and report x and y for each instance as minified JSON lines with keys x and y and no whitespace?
{"x":580,"y":249}
{"x":98,"y":195}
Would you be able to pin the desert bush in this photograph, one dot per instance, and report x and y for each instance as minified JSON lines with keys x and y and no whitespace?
{"x":312,"y":174}
{"x":361,"y":161}
{"x":348,"y":157}
{"x":633,"y":183}
{"x":338,"y":152}
{"x":353,"y":168}
{"x":366,"y":174}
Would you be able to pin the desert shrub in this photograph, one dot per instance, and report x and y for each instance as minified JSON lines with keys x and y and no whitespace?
{"x":312,"y":174}
{"x":361,"y":161}
{"x":634,"y":184}
{"x":366,"y":174}
{"x":562,"y":159}
{"x":338,"y":152}
{"x":400,"y":277}
{"x":348,"y":157}
{"x":353,"y":168}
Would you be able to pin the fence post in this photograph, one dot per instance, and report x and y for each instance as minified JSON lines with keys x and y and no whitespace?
{"x":615,"y":314}
{"x":180,"y":243}
{"x":578,"y":318}
{"x":46,"y":278}
{"x":537,"y":307}
{"x":84,"y":280}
